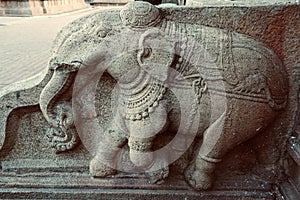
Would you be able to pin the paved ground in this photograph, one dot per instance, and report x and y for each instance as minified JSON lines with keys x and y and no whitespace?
{"x":25,"y":43}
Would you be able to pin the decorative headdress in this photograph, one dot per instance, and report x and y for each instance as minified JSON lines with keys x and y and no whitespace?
{"x":140,"y":14}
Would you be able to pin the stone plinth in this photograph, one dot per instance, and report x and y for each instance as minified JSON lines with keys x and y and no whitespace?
{"x":59,"y":129}
{"x":38,"y":7}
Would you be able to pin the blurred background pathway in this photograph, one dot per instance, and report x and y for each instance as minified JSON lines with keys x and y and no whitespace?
{"x":25,"y":43}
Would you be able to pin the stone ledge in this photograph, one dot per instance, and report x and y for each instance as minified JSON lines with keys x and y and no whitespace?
{"x":75,"y":185}
{"x":33,"y":165}
{"x":53,"y":193}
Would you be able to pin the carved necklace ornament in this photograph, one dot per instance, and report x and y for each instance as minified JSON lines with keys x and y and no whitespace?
{"x":142,"y":97}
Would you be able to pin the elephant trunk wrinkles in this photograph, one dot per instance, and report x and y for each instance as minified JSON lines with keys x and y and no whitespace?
{"x":55,"y":89}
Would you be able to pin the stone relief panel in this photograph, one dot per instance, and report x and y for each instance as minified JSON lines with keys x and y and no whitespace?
{"x":182,"y":90}
{"x":158,"y":98}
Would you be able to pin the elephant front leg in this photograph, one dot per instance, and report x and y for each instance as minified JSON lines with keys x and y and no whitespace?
{"x":105,"y":163}
{"x":142,"y":135}
{"x":141,"y":154}
{"x":140,"y":151}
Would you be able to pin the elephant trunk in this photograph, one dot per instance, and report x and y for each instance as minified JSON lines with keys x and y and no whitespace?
{"x":57,"y":87}
{"x":57,"y":110}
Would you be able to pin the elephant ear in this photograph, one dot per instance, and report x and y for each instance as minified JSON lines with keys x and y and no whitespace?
{"x":156,"y":53}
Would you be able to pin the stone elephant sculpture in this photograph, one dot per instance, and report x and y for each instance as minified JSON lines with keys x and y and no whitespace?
{"x":207,"y":90}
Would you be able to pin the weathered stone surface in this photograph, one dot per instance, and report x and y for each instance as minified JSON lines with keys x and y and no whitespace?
{"x":264,"y":44}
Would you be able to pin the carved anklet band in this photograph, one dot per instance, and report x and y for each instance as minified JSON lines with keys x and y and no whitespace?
{"x":211,"y":160}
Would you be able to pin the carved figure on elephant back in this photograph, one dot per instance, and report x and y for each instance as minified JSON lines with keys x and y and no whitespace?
{"x":206,"y":89}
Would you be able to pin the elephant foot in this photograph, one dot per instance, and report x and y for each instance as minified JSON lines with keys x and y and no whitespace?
{"x":100,"y":170}
{"x":141,"y":159}
{"x":200,"y":176}
{"x":158,"y":172}
{"x":198,"y":180}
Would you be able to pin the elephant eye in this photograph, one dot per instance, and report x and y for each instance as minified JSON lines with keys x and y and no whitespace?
{"x":147,"y":52}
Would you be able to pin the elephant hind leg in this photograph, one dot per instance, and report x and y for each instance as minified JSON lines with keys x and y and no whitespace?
{"x":105,"y":161}
{"x":241,"y":121}
{"x":199,"y":173}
